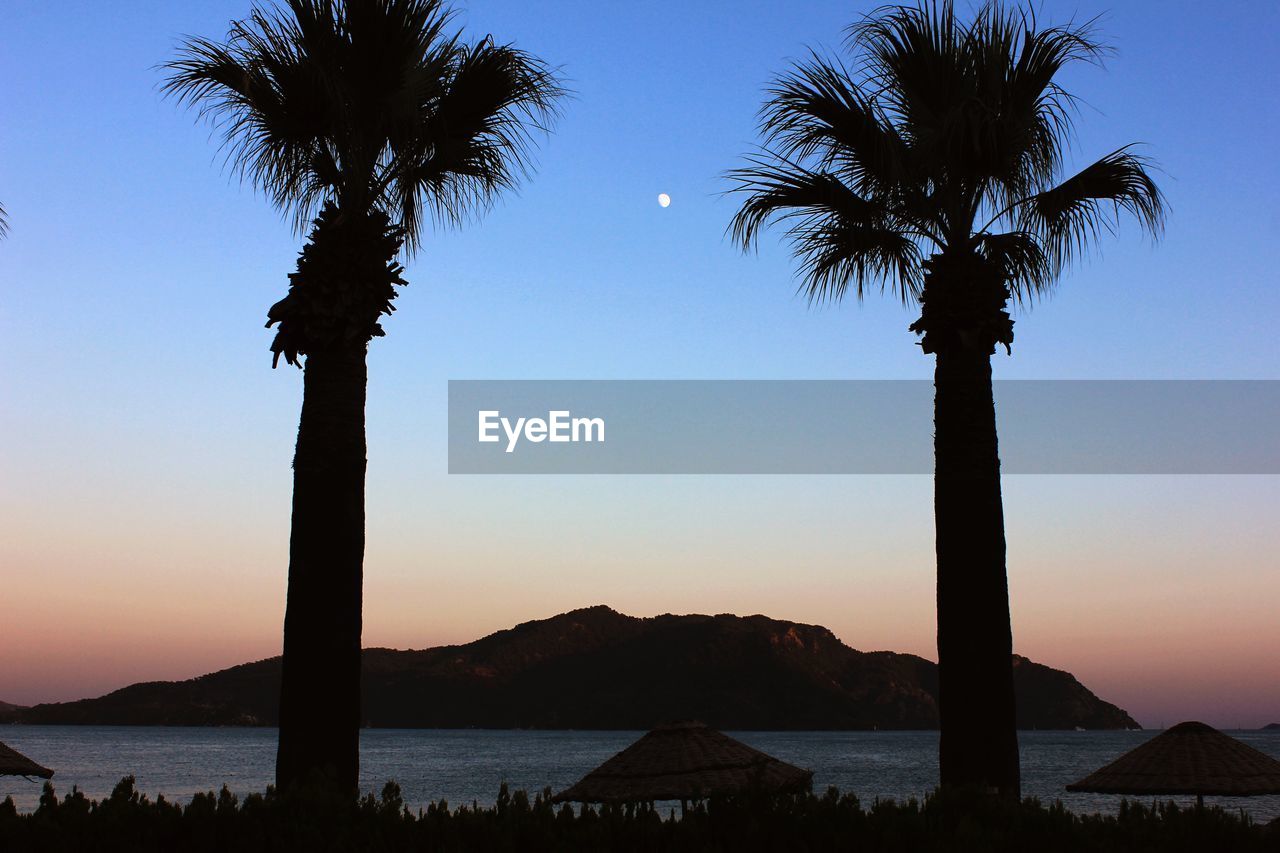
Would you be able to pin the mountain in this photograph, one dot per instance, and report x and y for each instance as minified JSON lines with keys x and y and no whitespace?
{"x":1271,"y":727}
{"x":9,"y":706}
{"x":599,"y":669}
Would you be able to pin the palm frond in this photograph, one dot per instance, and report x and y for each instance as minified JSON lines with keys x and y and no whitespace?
{"x":475,"y":138}
{"x":977,"y":101}
{"x":1020,"y":256}
{"x":269,"y":100}
{"x":1026,"y":118}
{"x":839,"y":237}
{"x":912,"y":57}
{"x":817,"y":111}
{"x":1068,"y":217}
{"x":4,"y":222}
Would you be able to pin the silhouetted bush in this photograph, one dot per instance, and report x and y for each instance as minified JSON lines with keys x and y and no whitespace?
{"x":313,"y":821}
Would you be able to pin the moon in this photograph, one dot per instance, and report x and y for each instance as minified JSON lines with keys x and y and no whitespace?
{"x":664,"y":200}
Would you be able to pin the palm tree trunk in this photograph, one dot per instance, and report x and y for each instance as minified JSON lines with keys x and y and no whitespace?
{"x":979,"y":742}
{"x":320,"y":683}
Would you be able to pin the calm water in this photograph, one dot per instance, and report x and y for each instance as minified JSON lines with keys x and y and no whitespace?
{"x":468,"y":765}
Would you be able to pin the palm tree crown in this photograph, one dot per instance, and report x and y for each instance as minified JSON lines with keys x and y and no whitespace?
{"x":370,"y":113}
{"x":371,"y":104}
{"x":948,"y":139}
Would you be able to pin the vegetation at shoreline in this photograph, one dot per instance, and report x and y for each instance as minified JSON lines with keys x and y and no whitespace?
{"x":317,"y":821}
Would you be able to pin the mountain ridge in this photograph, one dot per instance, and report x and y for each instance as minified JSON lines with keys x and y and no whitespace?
{"x":596,"y":668}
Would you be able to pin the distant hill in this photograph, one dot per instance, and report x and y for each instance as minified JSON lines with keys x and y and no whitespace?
{"x":1271,"y":727}
{"x":599,"y":669}
{"x":9,"y":706}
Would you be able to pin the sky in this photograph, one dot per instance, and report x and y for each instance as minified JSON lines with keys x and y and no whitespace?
{"x":145,"y":441}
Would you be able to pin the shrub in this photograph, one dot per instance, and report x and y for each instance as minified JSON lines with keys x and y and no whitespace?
{"x":951,"y":822}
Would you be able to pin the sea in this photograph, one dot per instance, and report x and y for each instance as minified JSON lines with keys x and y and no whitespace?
{"x":468,"y":766}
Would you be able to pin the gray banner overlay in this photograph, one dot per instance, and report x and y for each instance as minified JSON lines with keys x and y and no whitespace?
{"x":856,"y":426}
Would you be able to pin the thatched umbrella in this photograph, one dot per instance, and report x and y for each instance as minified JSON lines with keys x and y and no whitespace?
{"x":685,"y":761}
{"x":14,"y":763}
{"x":1190,"y":758}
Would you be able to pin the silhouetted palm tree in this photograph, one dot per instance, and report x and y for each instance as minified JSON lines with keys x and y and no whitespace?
{"x":932,"y":169}
{"x":371,"y":116}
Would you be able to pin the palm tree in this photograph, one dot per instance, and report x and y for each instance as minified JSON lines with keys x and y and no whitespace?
{"x":933,"y":170}
{"x":373,"y":117}
{"x":4,"y":222}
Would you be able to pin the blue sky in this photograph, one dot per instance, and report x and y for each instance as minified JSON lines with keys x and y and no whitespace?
{"x":139,"y":396}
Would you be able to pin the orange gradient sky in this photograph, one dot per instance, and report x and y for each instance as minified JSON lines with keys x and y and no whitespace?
{"x":1158,"y":593}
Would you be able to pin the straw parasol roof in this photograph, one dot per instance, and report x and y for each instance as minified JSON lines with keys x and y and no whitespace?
{"x":1190,"y":758}
{"x":684,"y":761}
{"x":14,"y":763}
